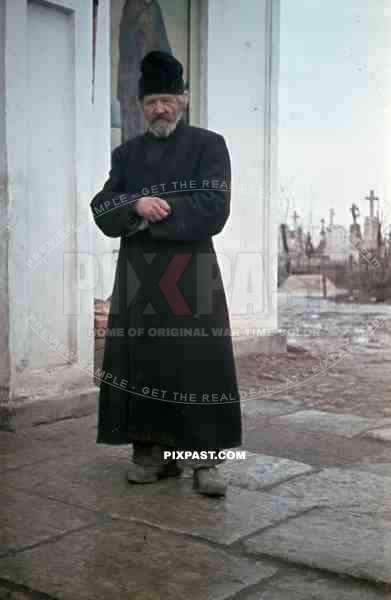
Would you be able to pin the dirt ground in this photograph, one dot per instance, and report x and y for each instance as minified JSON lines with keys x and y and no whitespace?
{"x":338,"y":359}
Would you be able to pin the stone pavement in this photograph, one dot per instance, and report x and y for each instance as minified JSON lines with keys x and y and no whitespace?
{"x":307,"y":515}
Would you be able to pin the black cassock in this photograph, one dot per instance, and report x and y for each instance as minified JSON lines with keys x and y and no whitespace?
{"x":168,"y":369}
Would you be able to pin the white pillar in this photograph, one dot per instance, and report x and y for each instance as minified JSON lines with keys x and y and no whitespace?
{"x":5,"y":358}
{"x":241,"y":76}
{"x":105,"y":249}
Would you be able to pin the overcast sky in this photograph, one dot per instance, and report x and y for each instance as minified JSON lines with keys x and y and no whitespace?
{"x":335,"y":106}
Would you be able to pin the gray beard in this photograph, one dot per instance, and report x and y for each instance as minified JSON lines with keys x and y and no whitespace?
{"x":162,"y":128}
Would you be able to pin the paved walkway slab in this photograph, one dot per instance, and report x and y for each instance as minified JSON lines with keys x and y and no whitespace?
{"x":341,"y":542}
{"x":100,"y":485}
{"x":130,"y":561}
{"x":70,"y":429}
{"x":380,"y":434}
{"x":378,"y":468}
{"x":40,"y":443}
{"x":26,"y":519}
{"x":13,"y":450}
{"x":311,"y":447}
{"x":327,"y":422}
{"x":366,"y":491}
{"x":306,"y":584}
{"x":268,"y":408}
{"x":12,"y":592}
{"x":260,"y":470}
{"x":67,"y":495}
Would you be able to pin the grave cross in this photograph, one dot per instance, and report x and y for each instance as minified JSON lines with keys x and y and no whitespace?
{"x":296,"y":217}
{"x":355,"y":212}
{"x":372,"y":199}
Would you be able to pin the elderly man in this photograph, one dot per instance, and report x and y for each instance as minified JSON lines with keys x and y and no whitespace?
{"x":168,"y":382}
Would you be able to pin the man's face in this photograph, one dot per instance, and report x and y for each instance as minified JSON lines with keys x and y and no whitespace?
{"x":161,"y":112}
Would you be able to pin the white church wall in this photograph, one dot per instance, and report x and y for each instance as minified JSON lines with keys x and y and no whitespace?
{"x":241,"y":103}
{"x":50,"y":173}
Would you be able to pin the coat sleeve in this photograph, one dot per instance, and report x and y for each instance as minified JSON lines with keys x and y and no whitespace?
{"x":112,"y":207}
{"x":201,"y":213}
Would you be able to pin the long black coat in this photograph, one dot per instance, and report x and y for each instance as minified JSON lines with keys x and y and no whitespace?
{"x":176,"y":386}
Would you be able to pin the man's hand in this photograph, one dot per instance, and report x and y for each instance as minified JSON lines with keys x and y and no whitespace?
{"x":152,"y":208}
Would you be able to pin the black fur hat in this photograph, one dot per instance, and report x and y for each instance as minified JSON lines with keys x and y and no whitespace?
{"x":161,"y":73}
